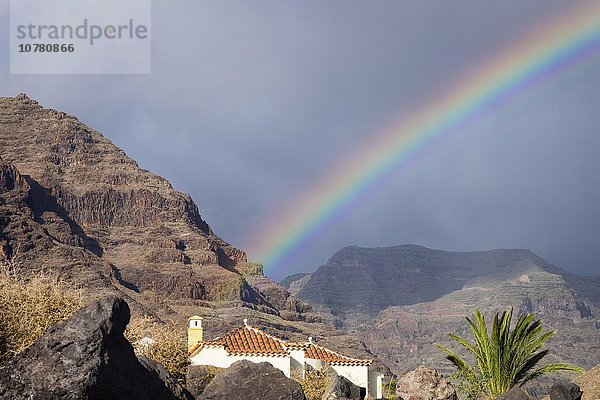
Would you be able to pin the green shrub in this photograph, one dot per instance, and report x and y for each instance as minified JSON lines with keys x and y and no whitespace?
{"x":389,"y":388}
{"x":504,"y":357}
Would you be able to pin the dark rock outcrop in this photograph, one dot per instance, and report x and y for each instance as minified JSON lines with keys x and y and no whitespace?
{"x":425,"y":384}
{"x":341,"y":388}
{"x":87,"y":357}
{"x":247,"y":380}
{"x":514,"y":393}
{"x":10,"y":178}
{"x":198,"y":377}
{"x":565,"y":391}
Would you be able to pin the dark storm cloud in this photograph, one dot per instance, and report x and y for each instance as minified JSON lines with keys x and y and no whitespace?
{"x":249,"y":103}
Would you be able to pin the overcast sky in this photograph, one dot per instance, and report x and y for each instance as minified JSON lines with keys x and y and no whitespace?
{"x":250,"y":103}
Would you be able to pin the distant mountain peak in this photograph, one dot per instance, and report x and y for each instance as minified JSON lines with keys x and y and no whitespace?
{"x":402,"y":299}
{"x":406,"y":274}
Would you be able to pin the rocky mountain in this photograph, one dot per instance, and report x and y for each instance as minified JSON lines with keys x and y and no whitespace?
{"x":399,"y":275}
{"x":132,"y":218}
{"x":289,"y":280}
{"x":403,"y":299}
{"x":35,"y":239}
{"x":74,"y":203}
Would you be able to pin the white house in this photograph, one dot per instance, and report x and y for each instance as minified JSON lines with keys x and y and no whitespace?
{"x":249,"y":343}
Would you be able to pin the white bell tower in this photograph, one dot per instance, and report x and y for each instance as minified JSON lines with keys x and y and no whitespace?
{"x":195,"y":330}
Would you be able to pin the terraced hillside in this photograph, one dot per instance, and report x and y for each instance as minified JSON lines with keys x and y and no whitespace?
{"x":402,"y":300}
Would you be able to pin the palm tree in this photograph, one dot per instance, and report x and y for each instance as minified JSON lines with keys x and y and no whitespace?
{"x":505,"y":358}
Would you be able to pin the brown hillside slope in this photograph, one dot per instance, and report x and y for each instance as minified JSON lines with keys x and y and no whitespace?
{"x":412,"y":297}
{"x":150,"y":236}
{"x":134,"y":219}
{"x":30,"y":241}
{"x":82,"y":207}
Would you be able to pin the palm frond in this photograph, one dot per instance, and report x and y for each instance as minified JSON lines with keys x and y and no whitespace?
{"x":455,"y":359}
{"x":504,"y":357}
{"x":546,"y":369}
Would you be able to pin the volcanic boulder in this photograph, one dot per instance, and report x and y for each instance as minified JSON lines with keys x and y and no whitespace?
{"x":341,"y":388}
{"x":247,"y":380}
{"x":514,"y":393}
{"x":565,"y":391}
{"x":198,"y":377}
{"x":590,"y":383}
{"x":425,"y":384}
{"x":87,"y":357}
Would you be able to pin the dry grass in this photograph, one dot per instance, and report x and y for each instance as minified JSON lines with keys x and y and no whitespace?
{"x":169,"y":347}
{"x":30,"y":306}
{"x":315,"y":382}
{"x":212,"y":371}
{"x":389,"y":389}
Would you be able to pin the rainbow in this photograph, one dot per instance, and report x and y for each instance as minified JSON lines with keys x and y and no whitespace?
{"x":553,"y":48}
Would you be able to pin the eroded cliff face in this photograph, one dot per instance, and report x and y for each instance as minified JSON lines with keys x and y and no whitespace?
{"x":72,"y":202}
{"x":402,"y":300}
{"x":403,"y":335}
{"x":392,"y":276}
{"x":35,"y":239}
{"x":151,"y":236}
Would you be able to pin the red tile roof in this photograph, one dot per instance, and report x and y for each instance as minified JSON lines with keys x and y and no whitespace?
{"x":246,"y":340}
{"x":297,"y":345}
{"x":250,"y":340}
{"x":331,"y":357}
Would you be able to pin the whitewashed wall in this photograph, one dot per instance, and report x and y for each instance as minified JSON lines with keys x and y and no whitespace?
{"x":297,"y":361}
{"x":218,"y":357}
{"x":359,"y":375}
{"x":375,"y":389}
{"x":316,"y":364}
{"x":215,"y":356}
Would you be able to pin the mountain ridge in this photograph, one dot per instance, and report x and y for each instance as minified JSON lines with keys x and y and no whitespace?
{"x":73,"y":203}
{"x":440,"y":289}
{"x":379,"y":270}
